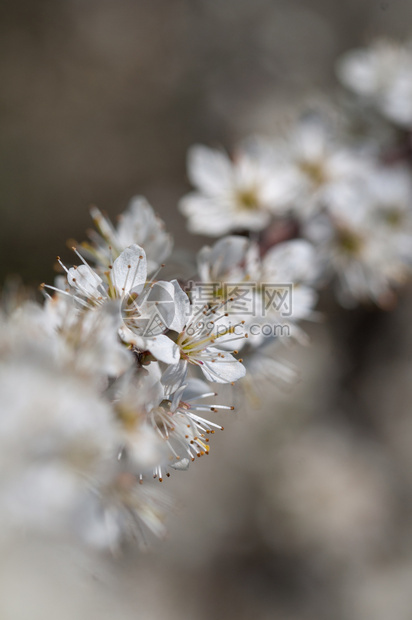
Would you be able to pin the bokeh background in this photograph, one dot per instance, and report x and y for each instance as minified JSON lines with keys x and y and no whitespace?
{"x":303,"y":510}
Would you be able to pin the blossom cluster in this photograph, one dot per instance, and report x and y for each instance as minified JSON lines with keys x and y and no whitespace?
{"x":112,"y":383}
{"x":339,"y":178}
{"x":109,"y":386}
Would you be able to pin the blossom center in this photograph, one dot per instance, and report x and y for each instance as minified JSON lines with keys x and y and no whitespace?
{"x":247,"y":199}
{"x":315,"y":170}
{"x":392,"y":216}
{"x":349,"y":242}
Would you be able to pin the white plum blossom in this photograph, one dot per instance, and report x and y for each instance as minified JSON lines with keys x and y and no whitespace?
{"x":89,"y":342}
{"x":365,"y":237}
{"x":125,"y":276}
{"x":318,"y":160}
{"x":122,"y":511}
{"x":144,"y":309}
{"x":134,"y":396}
{"x":286,"y":272}
{"x":60,"y":436}
{"x":389,"y":190}
{"x":381,"y":75}
{"x":137,"y":225}
{"x":201,"y":338}
{"x":289,"y":271}
{"x":232,"y":258}
{"x":107,"y":403}
{"x":242,"y":194}
{"x":56,"y":432}
{"x":182,"y":431}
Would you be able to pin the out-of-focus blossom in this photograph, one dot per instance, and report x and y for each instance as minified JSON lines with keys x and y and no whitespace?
{"x":321,"y":161}
{"x":89,"y":341}
{"x":365,"y":238}
{"x":266,"y":368}
{"x":389,"y":191}
{"x":242,"y":194}
{"x":120,"y":511}
{"x":134,"y":396}
{"x":56,"y":432}
{"x":381,"y":75}
{"x":317,"y":158}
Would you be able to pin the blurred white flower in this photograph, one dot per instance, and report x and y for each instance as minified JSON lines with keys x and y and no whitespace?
{"x":56,"y":437}
{"x":289,"y":269}
{"x":389,"y":191}
{"x":60,"y":437}
{"x":315,"y":153}
{"x":134,"y":396}
{"x":122,"y":510}
{"x":382,"y":76}
{"x":242,"y":194}
{"x":89,"y":342}
{"x":265,"y":368}
{"x":232,"y":258}
{"x":365,"y":238}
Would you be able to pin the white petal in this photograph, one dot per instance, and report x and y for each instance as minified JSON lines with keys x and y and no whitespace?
{"x":139,"y":224}
{"x":358,"y":69}
{"x":206,"y":216}
{"x":209,"y":170}
{"x":85,"y":280}
{"x":173,"y":377}
{"x":181,"y":308}
{"x":226,"y":370}
{"x":303,"y":300}
{"x":290,"y":262}
{"x":220,"y":260}
{"x":129,"y":269}
{"x":157,"y":306}
{"x":163,"y":349}
{"x":194,"y":389}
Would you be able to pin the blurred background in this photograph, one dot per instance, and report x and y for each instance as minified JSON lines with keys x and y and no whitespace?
{"x":303,"y":509}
